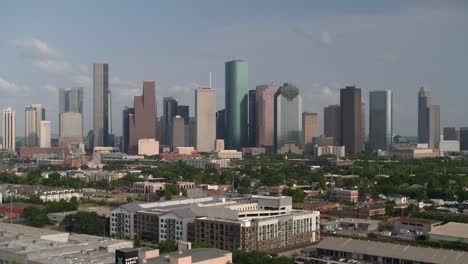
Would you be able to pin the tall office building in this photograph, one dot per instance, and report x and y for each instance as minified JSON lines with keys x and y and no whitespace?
{"x":101,"y":104}
{"x":205,"y":115}
{"x":452,"y":133}
{"x":463,"y":139}
{"x":434,"y":126}
{"x":190,"y":131}
{"x":9,"y":129}
{"x":265,"y":119}
{"x":220,"y":124}
{"x":252,"y":135}
{"x":34,"y":114}
{"x":178,"y":132}
{"x":127,"y":112}
{"x":170,"y":106}
{"x":309,"y":130}
{"x":71,"y":128}
{"x":45,"y":128}
{"x":424,"y":103}
{"x":380,"y":120}
{"x":363,"y":123}
{"x":288,"y":120}
{"x":236,"y":74}
{"x":184,"y":112}
{"x":351,"y":128}
{"x":70,"y":100}
{"x":332,"y":123}
{"x":142,"y":123}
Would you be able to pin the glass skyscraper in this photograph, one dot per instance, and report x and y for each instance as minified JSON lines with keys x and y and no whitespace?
{"x":236,"y":74}
{"x":288,"y":119}
{"x":101,"y":104}
{"x":380,"y":120}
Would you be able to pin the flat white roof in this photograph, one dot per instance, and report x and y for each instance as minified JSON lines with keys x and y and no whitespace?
{"x":452,"y":229}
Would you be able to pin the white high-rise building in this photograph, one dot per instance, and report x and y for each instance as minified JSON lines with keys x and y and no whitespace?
{"x":205,"y":115}
{"x":9,"y":129}
{"x":34,"y":114}
{"x":45,"y":134}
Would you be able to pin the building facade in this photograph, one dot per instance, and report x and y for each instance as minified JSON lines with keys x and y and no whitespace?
{"x":309,"y":128}
{"x":424,"y":102}
{"x":70,"y":100}
{"x":351,"y":117}
{"x":288,"y":119}
{"x":205,"y":115}
{"x":142,"y":123}
{"x":178,"y":132}
{"x":380,"y":120}
{"x":236,"y":105}
{"x":434,"y":126}
{"x":71,"y":127}
{"x":463,"y":138}
{"x":452,"y":133}
{"x":170,"y":106}
{"x":252,"y":135}
{"x":34,"y":114}
{"x":220,"y":124}
{"x":45,"y":134}
{"x":265,"y":120}
{"x":332,"y":123}
{"x":101,"y":104}
{"x":9,"y":129}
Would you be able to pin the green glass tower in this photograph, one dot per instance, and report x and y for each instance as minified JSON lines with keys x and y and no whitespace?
{"x":236,"y":104}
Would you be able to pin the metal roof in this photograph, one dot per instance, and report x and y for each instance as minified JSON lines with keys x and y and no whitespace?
{"x":390,"y":250}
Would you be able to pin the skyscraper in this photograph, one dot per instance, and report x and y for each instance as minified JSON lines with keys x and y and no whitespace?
{"x":463,"y":139}
{"x":34,"y":114}
{"x":127,"y":112}
{"x":265,"y":119}
{"x":170,"y":106}
{"x":101,"y":104}
{"x":252,"y":135}
{"x":332,"y":122}
{"x":9,"y":129}
{"x":452,"y":133}
{"x":434,"y":126}
{"x":236,"y":74}
{"x":424,"y":102}
{"x":142,"y":123}
{"x":220,"y":124}
{"x":71,"y":127}
{"x":178,"y":132}
{"x":380,"y":120}
{"x":205,"y":116}
{"x":351,"y":128}
{"x":363,"y":123}
{"x":184,"y":111}
{"x":45,"y":128}
{"x":309,"y":130}
{"x":288,"y":120}
{"x":70,"y":100}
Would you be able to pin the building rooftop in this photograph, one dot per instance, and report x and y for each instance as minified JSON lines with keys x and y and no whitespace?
{"x":452,"y":229}
{"x":419,"y":220}
{"x":198,"y":255}
{"x":412,"y":253}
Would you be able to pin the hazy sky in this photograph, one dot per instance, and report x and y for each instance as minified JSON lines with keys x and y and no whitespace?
{"x":320,"y":46}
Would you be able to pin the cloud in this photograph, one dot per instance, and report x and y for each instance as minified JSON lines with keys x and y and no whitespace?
{"x":34,"y":47}
{"x":52,"y":66}
{"x":326,"y":38}
{"x":7,"y":87}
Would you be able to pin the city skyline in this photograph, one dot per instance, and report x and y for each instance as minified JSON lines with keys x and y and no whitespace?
{"x":40,"y":59}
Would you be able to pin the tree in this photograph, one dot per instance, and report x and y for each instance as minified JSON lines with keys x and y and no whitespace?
{"x":35,"y":217}
{"x":298,"y":195}
{"x":167,"y":246}
{"x":86,"y":223}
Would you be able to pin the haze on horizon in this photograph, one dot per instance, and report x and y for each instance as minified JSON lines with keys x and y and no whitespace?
{"x":318,"y":46}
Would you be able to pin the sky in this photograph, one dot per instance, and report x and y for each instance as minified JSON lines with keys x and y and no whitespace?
{"x":319,"y":46}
